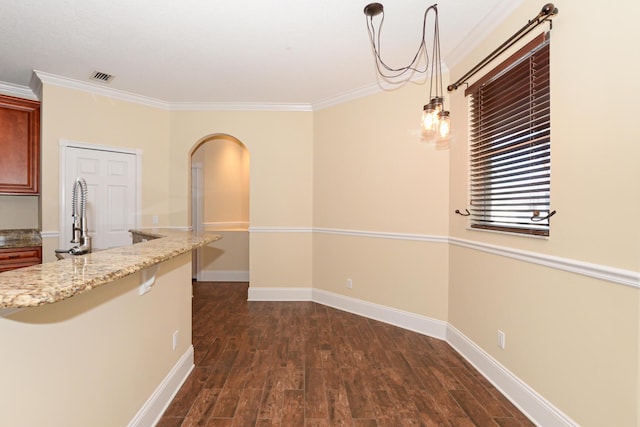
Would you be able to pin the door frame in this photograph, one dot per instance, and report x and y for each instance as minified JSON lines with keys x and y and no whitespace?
{"x":197,"y":213}
{"x":65,"y":144}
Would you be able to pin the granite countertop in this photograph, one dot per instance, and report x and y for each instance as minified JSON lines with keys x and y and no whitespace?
{"x":20,"y":238}
{"x":58,"y":280}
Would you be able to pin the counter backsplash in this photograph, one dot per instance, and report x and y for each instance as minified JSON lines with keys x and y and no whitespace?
{"x":18,"y":238}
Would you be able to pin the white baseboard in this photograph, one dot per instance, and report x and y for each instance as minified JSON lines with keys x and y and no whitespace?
{"x":539,"y":410}
{"x":403,"y":319}
{"x":224,"y":276}
{"x":279,"y":294}
{"x":158,"y":402}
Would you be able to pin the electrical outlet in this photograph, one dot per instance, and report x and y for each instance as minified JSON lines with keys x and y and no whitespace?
{"x":175,"y":339}
{"x":349,"y":284}
{"x":154,"y":219}
{"x":502,"y":338}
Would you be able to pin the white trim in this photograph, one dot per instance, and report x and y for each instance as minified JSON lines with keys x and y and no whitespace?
{"x":480,"y":31}
{"x":355,"y":233}
{"x":150,"y":413}
{"x":347,"y":96}
{"x":99,"y":89}
{"x":35,"y":84}
{"x":49,"y":234}
{"x":170,"y":227}
{"x":403,"y":319}
{"x":96,"y":89}
{"x":381,"y":85}
{"x":66,"y":143}
{"x":279,"y":294}
{"x":138,"y":215}
{"x":536,"y":407}
{"x":197,"y":214}
{"x":598,"y":271}
{"x":223,"y":276}
{"x":228,"y":225}
{"x":281,"y":230}
{"x":237,"y":106}
{"x":17,"y":91}
{"x":383,"y":235}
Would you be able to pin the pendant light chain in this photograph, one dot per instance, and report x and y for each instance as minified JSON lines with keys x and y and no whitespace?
{"x":384,"y":70}
{"x":435,"y":120}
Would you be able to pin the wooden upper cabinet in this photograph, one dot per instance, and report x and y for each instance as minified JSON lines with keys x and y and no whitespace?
{"x":19,"y":146}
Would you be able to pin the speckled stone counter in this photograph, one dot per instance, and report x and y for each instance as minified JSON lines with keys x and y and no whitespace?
{"x":58,"y":280}
{"x":19,"y":238}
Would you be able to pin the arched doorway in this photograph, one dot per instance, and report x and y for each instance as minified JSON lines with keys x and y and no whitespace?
{"x":220,"y":203}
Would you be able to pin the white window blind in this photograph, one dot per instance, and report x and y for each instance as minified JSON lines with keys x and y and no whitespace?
{"x":510,"y":136}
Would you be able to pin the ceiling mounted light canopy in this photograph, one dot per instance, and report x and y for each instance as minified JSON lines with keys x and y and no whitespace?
{"x":435,"y":120}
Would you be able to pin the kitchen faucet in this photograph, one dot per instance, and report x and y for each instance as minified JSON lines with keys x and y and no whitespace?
{"x":80,"y":232}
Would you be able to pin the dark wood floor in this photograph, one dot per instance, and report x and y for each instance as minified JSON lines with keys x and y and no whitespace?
{"x":305,"y":364}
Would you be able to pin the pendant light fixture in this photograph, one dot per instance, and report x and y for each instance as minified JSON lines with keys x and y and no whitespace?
{"x":435,"y":120}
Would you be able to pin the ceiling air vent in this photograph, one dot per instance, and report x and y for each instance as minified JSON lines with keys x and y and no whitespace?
{"x":102,"y":77}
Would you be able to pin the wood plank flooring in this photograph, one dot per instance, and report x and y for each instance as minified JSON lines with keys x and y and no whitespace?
{"x":304,"y":364}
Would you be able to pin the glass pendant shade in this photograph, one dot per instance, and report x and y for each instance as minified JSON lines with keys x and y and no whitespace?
{"x":444,"y":124}
{"x":428,"y":123}
{"x":438,"y":104}
{"x":431,"y":115}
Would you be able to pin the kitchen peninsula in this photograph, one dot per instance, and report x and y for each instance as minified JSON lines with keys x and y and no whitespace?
{"x":101,"y":339}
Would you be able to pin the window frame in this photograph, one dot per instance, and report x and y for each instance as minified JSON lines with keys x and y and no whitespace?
{"x":510,"y":175}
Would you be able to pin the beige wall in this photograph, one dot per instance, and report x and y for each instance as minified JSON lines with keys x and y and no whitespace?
{"x":572,"y":338}
{"x":19,"y":212}
{"x":229,"y":254}
{"x":93,"y":119}
{"x":372,"y":172}
{"x":281,"y":260}
{"x":280,"y":150}
{"x":403,"y":275}
{"x":95,"y":359}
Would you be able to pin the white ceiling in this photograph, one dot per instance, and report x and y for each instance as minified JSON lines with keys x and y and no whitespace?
{"x":228,"y":51}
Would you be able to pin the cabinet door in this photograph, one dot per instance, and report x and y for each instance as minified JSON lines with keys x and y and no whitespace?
{"x":19,"y":146}
{"x":10,"y":259}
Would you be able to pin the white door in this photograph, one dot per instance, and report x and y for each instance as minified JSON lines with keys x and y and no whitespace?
{"x":111,"y":199}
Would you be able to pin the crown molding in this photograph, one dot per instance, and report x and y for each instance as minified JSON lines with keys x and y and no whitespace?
{"x":238,"y":106}
{"x":40,"y":77}
{"x":382,"y":85}
{"x":18,"y":91}
{"x":48,"y":78}
{"x":481,"y":31}
{"x":347,"y":96}
{"x":96,"y":89}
